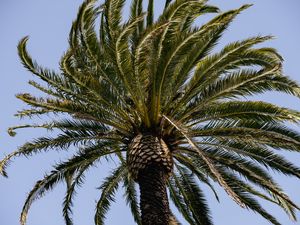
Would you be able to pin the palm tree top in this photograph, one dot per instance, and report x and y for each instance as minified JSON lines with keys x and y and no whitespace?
{"x":160,"y":80}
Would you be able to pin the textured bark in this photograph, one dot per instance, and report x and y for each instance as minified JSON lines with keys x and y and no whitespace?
{"x":146,"y":149}
{"x":150,"y":164}
{"x":154,"y":199}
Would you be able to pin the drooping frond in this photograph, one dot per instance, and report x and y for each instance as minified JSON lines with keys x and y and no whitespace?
{"x":199,"y":172}
{"x":39,"y":189}
{"x":260,"y":154}
{"x":108,"y":189}
{"x":210,"y":165}
{"x":78,"y":163}
{"x":150,"y":13}
{"x":275,"y":135}
{"x":131,"y":198}
{"x":249,"y":201}
{"x":192,"y":196}
{"x":178,"y":201}
{"x":72,"y":182}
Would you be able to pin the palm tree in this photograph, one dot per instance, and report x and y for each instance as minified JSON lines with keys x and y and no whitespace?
{"x":152,"y":94}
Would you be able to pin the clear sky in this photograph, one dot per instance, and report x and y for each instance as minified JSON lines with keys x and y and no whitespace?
{"x":48,"y":23}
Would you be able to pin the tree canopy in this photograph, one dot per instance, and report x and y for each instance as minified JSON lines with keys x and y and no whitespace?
{"x":126,"y":78}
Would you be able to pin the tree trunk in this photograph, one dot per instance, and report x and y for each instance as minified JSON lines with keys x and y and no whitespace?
{"x":150,"y":164}
{"x":154,"y":202}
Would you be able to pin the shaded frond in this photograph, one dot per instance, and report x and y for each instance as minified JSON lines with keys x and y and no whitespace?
{"x":131,"y":198}
{"x":239,"y":110}
{"x":72,"y":183}
{"x":179,"y":202}
{"x":108,"y":188}
{"x":59,"y":173}
{"x":193,"y":197}
{"x":211,"y":166}
{"x":250,"y":202}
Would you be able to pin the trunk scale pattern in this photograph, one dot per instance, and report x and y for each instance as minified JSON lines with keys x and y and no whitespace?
{"x":150,"y":164}
{"x":145,"y":150}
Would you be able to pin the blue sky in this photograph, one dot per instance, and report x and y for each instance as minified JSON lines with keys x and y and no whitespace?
{"x":48,"y":23}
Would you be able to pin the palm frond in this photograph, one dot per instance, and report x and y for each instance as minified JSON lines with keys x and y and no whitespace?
{"x":167,"y":3}
{"x":131,"y":198}
{"x":260,"y":154}
{"x":179,"y":202}
{"x":136,"y":10}
{"x":108,"y":188}
{"x":218,"y":63}
{"x":113,"y":14}
{"x":243,"y":110}
{"x":150,"y":13}
{"x":251,"y":172}
{"x":172,"y":57}
{"x":59,"y":173}
{"x":275,"y":135}
{"x":250,"y":202}
{"x":39,"y":189}
{"x":125,"y":65}
{"x":211,"y":166}
{"x":72,"y":182}
{"x":198,"y":172}
{"x":63,"y":141}
{"x":193,"y":196}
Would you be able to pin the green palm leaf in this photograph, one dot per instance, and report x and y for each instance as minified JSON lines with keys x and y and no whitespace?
{"x":193,"y":197}
{"x":108,"y":188}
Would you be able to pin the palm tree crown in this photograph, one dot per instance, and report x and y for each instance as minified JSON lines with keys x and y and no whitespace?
{"x":152,"y":92}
